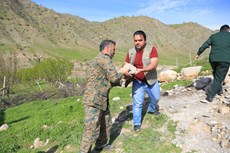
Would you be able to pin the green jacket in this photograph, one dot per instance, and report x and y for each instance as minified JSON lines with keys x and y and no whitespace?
{"x":102,"y":75}
{"x":220,"y":47}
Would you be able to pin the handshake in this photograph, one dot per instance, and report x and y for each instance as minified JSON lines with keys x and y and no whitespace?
{"x":124,"y":82}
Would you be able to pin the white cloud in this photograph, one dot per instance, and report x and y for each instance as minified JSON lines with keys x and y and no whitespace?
{"x":156,"y":6}
{"x":179,"y":11}
{"x":201,"y":12}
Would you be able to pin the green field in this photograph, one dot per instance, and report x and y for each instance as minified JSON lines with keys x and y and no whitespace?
{"x":61,"y":123}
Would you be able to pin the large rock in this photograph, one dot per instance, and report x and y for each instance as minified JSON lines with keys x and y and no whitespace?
{"x":190,"y":73}
{"x":167,"y":76}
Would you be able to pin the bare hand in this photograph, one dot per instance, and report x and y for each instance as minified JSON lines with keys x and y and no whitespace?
{"x":125,"y":72}
{"x":196,"y":57}
{"x":139,"y":70}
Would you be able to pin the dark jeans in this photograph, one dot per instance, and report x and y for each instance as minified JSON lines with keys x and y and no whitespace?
{"x":220,"y":70}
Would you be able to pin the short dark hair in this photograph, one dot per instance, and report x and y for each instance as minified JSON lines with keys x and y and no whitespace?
{"x":224,"y":27}
{"x":140,"y":32}
{"x":105,"y":43}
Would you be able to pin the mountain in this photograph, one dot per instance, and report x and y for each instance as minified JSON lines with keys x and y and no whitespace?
{"x":33,"y":29}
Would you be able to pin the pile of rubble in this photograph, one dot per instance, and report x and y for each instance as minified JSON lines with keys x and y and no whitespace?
{"x":201,"y":127}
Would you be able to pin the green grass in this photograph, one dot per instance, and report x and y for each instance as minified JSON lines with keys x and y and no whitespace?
{"x":63,"y":119}
{"x":170,"y":85}
{"x":62,"y":122}
{"x":150,"y":139}
{"x":201,"y":62}
{"x":77,"y":54}
{"x":125,"y":99}
{"x":205,"y":66}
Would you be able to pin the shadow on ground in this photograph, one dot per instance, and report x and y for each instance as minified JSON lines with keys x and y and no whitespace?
{"x":125,"y":115}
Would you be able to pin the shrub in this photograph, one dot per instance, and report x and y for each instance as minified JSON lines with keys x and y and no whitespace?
{"x":50,"y":69}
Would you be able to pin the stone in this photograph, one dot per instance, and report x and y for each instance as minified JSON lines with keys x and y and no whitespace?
{"x":190,"y":73}
{"x":4,"y":127}
{"x":167,"y":76}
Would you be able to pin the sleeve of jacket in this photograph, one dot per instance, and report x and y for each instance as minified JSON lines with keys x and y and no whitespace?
{"x":111,"y":73}
{"x":205,"y":45}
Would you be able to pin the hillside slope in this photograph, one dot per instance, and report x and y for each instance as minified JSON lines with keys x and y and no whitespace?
{"x":31,"y":28}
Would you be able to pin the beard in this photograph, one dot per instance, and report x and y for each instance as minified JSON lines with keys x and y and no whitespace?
{"x":139,"y":48}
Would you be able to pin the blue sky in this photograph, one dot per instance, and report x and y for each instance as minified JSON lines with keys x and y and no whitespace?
{"x":209,"y":13}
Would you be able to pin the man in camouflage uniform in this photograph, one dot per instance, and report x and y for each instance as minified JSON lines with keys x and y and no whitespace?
{"x":102,"y":75}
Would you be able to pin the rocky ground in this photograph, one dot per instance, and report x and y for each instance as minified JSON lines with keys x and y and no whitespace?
{"x":202,"y":127}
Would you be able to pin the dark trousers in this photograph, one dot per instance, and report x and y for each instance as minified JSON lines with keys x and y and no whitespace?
{"x":220,"y":70}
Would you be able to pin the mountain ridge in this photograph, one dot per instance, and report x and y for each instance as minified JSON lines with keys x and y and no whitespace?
{"x":31,"y":28}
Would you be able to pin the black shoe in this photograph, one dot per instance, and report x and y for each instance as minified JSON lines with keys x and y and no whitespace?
{"x":96,"y":149}
{"x":154,"y":113}
{"x":107,"y":147}
{"x":220,"y":92}
{"x":209,"y":99}
{"x":137,"y":127}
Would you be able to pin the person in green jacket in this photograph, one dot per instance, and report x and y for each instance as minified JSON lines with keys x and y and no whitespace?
{"x":219,"y":59}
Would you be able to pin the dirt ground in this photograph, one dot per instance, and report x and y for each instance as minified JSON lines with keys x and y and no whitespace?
{"x":202,"y":127}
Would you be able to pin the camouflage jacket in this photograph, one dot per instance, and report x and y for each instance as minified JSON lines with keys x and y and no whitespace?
{"x":101,"y":75}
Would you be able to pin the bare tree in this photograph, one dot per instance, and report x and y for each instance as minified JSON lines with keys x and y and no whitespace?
{"x":8,"y":70}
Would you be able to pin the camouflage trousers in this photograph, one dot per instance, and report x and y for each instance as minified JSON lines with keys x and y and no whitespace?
{"x":98,"y":124}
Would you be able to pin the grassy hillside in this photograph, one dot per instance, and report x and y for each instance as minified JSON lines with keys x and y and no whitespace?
{"x":33,"y":29}
{"x":61,"y":123}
